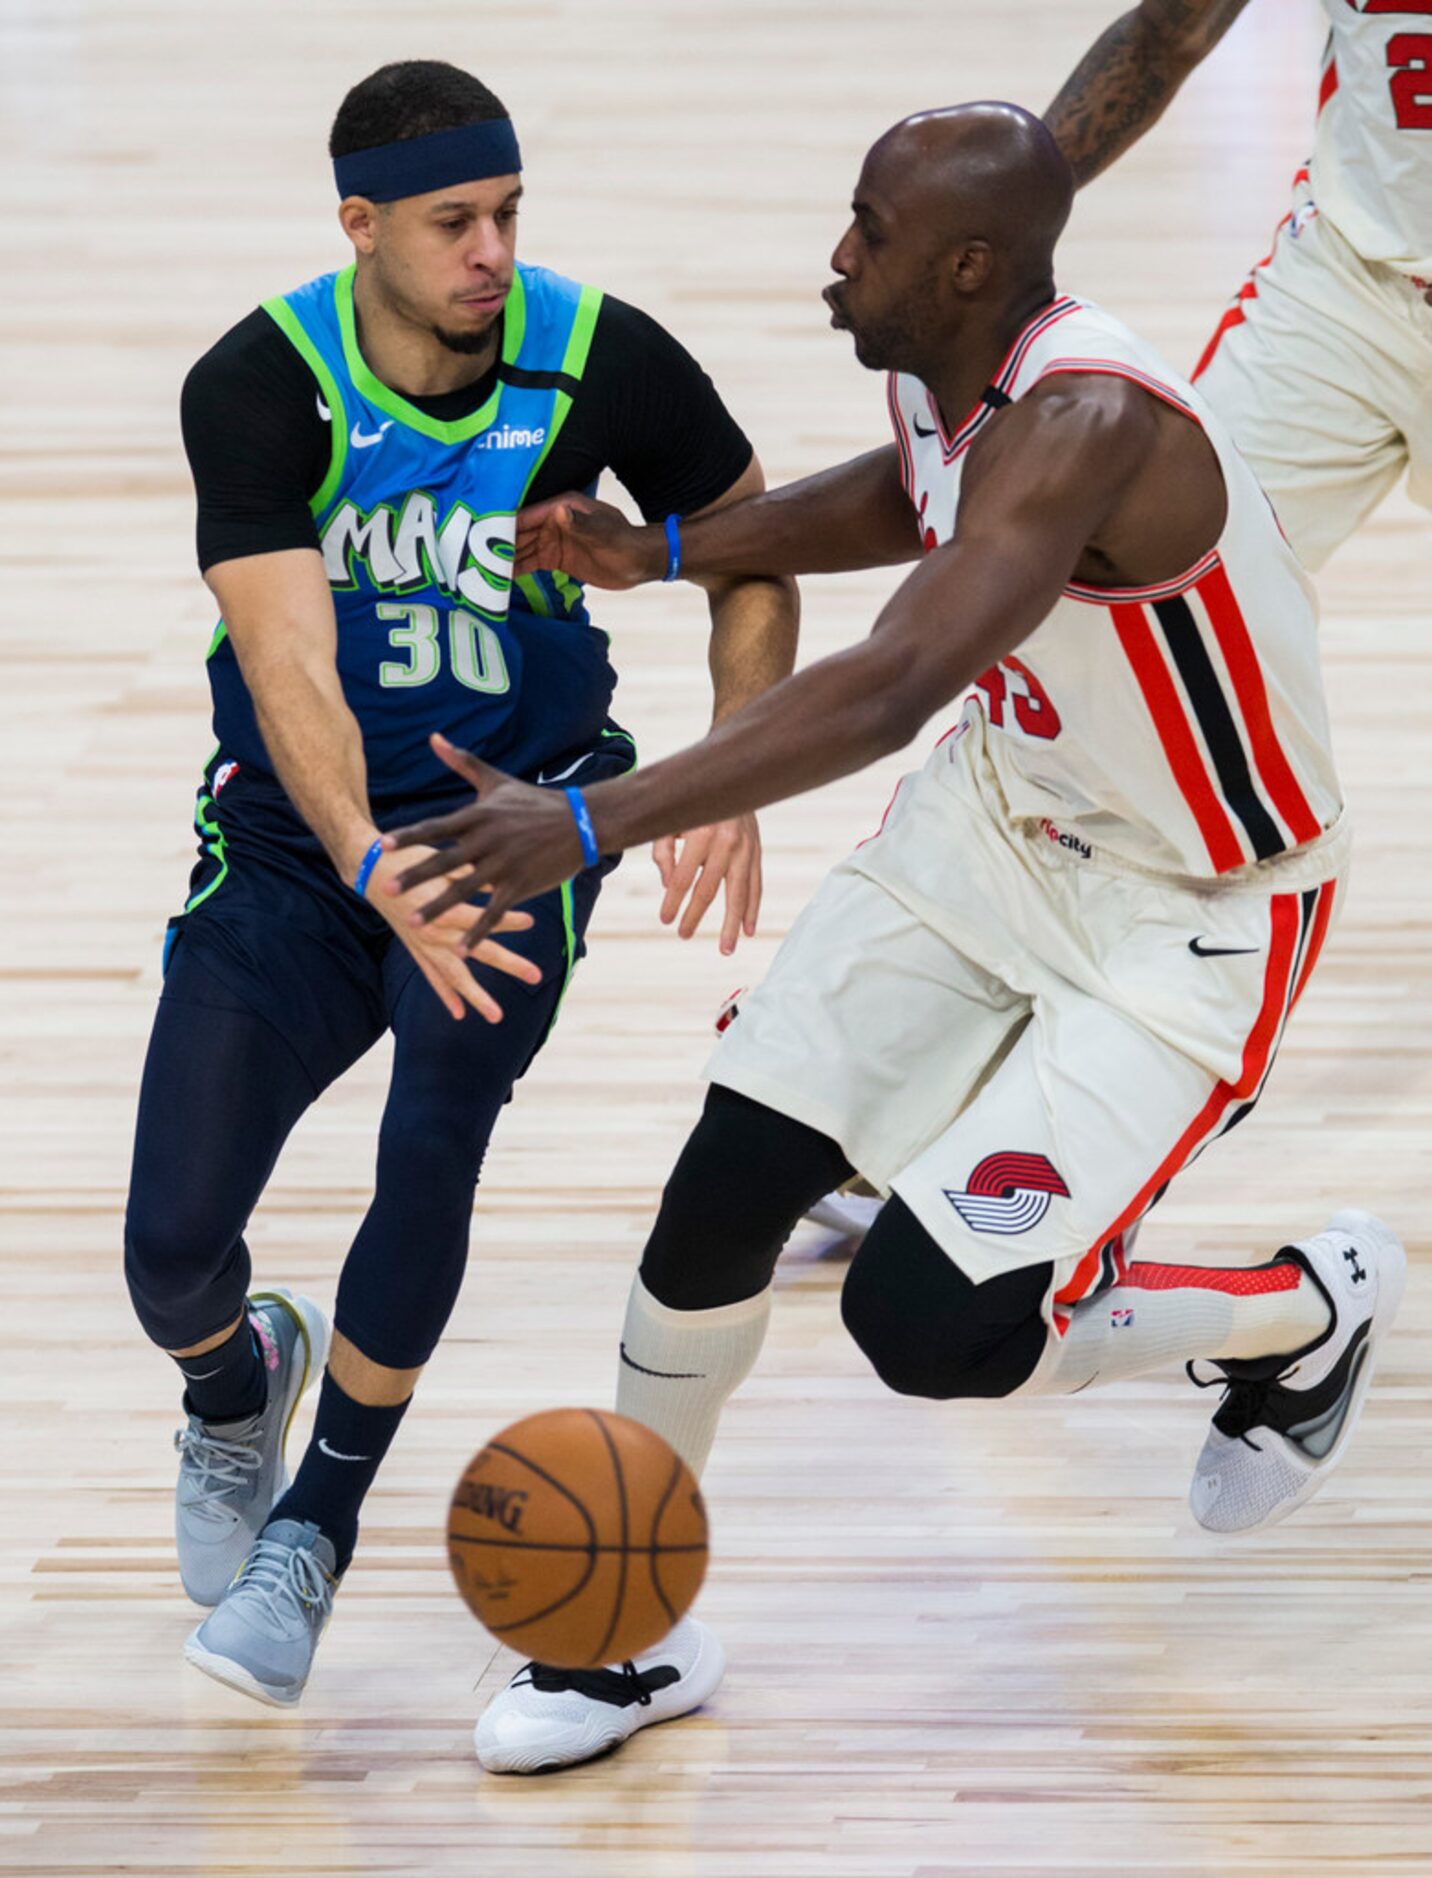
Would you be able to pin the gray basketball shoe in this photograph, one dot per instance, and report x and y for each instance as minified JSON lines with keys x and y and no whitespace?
{"x":231,"y":1474}
{"x":261,"y":1637}
{"x":1284,"y":1423}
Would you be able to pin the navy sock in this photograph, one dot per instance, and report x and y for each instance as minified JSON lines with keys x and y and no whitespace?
{"x":344,"y":1454}
{"x":227,"y":1383}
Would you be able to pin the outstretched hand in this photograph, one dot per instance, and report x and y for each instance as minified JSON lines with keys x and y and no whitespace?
{"x":590,"y":540}
{"x":514,"y":842}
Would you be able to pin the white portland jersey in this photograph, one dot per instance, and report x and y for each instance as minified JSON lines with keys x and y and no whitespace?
{"x":1181,"y":727}
{"x":1371,"y":170}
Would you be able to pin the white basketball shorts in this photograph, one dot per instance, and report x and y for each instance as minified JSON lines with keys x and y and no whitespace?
{"x":1322,"y":370}
{"x":1021,"y":1038}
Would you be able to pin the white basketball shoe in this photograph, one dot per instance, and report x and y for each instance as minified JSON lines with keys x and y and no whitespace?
{"x":1284,"y":1423}
{"x":548,"y":1718}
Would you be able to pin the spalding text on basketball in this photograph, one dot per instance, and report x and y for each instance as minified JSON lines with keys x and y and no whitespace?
{"x":502,"y":1504}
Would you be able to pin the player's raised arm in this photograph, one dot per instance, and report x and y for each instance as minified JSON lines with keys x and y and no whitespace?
{"x":1128,"y":77}
{"x":1044,"y":483}
{"x":839,"y":520}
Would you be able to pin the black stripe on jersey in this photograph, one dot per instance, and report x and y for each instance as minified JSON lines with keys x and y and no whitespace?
{"x":995,"y":398}
{"x":1215,"y":720}
{"x":1309,"y":911}
{"x":539,"y":381}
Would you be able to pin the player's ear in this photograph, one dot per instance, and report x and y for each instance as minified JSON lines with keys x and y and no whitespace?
{"x":358,"y":218}
{"x":970,"y":265}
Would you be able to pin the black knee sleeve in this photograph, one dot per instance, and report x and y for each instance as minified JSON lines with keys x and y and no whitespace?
{"x":744,"y":1178}
{"x":926,"y":1328}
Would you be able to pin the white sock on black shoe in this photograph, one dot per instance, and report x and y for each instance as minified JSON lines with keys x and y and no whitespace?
{"x":679,"y":1367}
{"x":1161,"y":1315}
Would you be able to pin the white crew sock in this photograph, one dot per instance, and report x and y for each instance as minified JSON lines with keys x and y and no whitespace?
{"x":1159,"y":1315}
{"x":679,"y":1367}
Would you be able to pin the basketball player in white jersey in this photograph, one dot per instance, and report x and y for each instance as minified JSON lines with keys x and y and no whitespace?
{"x":1063,"y":965}
{"x":1322,"y":365}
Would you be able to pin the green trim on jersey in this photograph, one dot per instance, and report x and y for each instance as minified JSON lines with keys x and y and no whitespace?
{"x":289,"y":324}
{"x":574,"y":364}
{"x":213,"y":838}
{"x":514,"y":325}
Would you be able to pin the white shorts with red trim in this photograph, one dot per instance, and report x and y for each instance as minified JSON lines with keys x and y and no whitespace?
{"x":1022,"y":1039}
{"x":1321,"y":369}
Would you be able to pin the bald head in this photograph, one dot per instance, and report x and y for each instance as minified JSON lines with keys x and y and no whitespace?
{"x":978,"y":171}
{"x":956,"y":217}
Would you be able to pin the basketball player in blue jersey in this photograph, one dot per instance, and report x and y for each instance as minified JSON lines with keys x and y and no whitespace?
{"x":360,"y":447}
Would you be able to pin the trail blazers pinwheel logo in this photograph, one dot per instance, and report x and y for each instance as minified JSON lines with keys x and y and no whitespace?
{"x":1008,"y":1193}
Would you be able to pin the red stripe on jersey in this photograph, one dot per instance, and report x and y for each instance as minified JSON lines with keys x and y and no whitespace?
{"x":1248,"y":291}
{"x":1329,"y":84}
{"x":1171,"y":723}
{"x":1114,"y":368}
{"x":1164,"y":590}
{"x":1257,"y":1055}
{"x":1236,"y":643}
{"x":1326,"y":896}
{"x":902,"y":441}
{"x":1239,"y":1281}
{"x":980,"y":412}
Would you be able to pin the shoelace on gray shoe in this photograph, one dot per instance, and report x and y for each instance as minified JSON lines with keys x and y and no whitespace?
{"x":219,"y":1466}
{"x":291,"y":1576}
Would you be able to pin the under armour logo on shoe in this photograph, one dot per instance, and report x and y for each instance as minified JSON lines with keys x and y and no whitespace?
{"x":1355,"y":1271}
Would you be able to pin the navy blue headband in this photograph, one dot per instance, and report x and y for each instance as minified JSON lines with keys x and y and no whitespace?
{"x":418,"y":165}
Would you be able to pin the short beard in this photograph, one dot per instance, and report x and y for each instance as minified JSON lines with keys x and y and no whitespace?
{"x":469,"y":344}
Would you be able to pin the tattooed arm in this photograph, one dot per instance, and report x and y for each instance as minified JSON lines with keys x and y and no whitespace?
{"x":1129,"y":75}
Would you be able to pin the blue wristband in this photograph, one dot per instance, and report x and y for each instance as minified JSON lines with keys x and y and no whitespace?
{"x":365,"y":869}
{"x":582,"y":815}
{"x":673,"y":547}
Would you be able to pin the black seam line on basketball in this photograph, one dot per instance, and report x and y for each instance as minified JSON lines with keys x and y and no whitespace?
{"x":570,"y":1545}
{"x":662,"y":1505}
{"x":539,"y":381}
{"x":1215,"y":720}
{"x":600,"y":1655}
{"x":500,"y":1447}
{"x":666,"y":1375}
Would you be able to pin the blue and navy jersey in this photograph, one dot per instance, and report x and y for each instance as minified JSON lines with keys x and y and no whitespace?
{"x":416,"y":520}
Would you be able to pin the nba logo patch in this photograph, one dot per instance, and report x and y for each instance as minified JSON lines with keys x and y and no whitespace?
{"x":223,"y":773}
{"x":1121,"y":1320}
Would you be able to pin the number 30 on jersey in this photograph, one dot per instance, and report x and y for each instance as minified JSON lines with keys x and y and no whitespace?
{"x":474,"y":649}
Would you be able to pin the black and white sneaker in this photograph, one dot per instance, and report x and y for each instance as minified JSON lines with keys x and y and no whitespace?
{"x":1283,"y":1424}
{"x":548,"y":1718}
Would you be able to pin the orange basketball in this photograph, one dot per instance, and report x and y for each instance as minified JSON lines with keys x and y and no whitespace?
{"x":578,"y":1537}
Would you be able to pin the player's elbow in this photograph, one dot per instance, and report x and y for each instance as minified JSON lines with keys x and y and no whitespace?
{"x":1171,"y":41}
{"x":901,"y":703}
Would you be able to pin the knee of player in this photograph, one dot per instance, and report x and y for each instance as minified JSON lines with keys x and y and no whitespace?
{"x":907,"y":1351}
{"x":171,"y":1258}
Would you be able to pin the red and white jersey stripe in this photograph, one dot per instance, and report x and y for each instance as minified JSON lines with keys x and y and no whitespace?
{"x":1181,"y":727}
{"x":1371,"y":167}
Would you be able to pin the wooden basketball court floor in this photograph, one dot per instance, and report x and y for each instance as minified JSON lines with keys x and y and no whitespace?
{"x":963,"y":1640}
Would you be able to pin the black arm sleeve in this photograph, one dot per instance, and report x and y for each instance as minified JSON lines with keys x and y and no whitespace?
{"x":257,"y":442}
{"x":648,"y":412}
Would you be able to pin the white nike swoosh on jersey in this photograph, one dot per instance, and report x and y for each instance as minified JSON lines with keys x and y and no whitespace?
{"x":334,"y":1455}
{"x":363,"y":440}
{"x":323,"y":410}
{"x":563,"y":774}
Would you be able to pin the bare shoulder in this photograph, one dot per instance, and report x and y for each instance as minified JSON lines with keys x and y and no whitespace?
{"x":1070,"y":425}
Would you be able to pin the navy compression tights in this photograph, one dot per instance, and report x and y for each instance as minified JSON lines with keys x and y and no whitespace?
{"x":223,"y":1087}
